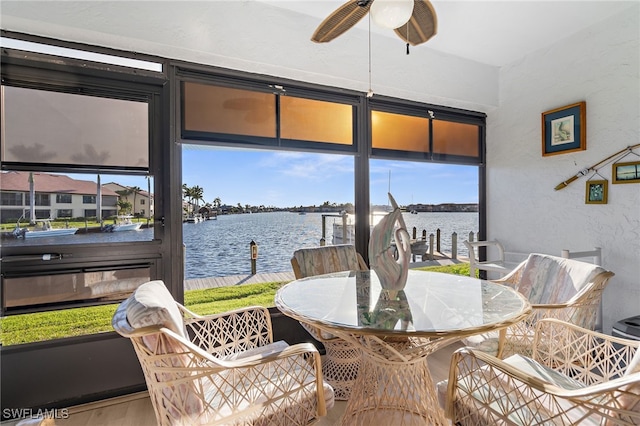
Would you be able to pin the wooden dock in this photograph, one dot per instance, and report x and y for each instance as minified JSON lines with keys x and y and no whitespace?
{"x":202,"y":283}
{"x":286,"y":276}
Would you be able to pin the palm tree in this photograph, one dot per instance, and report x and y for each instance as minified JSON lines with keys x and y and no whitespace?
{"x":124,"y":206}
{"x":135,"y":190}
{"x":217,"y":202}
{"x":123,"y":200}
{"x":185,"y":191}
{"x":197,"y":193}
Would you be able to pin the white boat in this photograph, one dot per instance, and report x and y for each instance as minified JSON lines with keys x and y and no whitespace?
{"x":195,"y":218}
{"x":43,"y":228}
{"x":123,"y":223}
{"x":344,"y":227}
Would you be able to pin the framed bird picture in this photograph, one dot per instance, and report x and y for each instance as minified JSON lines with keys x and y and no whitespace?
{"x":564,"y":129}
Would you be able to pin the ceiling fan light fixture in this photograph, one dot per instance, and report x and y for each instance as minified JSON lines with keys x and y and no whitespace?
{"x":391,"y":13}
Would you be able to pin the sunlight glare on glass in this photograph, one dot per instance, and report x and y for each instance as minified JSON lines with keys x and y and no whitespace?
{"x":78,"y":54}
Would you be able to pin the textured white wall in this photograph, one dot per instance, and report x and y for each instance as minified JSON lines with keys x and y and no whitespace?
{"x":600,"y":66}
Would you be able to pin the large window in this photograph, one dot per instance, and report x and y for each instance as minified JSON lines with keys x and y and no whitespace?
{"x":444,"y":204}
{"x":67,"y":176}
{"x":416,"y":145}
{"x":275,"y":199}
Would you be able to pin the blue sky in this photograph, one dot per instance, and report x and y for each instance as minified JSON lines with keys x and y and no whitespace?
{"x":290,"y":179}
{"x":287,"y":179}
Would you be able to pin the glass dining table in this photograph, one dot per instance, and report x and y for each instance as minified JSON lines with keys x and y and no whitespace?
{"x":397,"y":330}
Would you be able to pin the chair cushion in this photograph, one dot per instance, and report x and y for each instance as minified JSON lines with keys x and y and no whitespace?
{"x":259,"y":352}
{"x":326,"y":259}
{"x":486,"y":342}
{"x":540,"y":371}
{"x":550,"y":279}
{"x":152,"y":305}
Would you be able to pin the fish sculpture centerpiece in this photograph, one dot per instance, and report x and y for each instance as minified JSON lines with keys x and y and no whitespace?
{"x":390,"y":261}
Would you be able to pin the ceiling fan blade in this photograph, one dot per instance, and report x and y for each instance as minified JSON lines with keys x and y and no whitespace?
{"x":422,"y":26}
{"x":343,"y":18}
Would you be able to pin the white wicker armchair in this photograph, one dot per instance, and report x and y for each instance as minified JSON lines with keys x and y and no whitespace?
{"x":220,"y":369}
{"x":342,"y":359}
{"x":575,"y":377}
{"x":560,"y":288}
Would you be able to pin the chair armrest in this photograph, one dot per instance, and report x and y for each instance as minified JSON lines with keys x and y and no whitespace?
{"x":598,"y":357}
{"x":496,"y":380}
{"x":473,"y":359}
{"x":221,"y":335}
{"x":306,"y":349}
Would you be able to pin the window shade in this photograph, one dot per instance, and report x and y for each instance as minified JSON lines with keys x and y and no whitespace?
{"x":60,"y":128}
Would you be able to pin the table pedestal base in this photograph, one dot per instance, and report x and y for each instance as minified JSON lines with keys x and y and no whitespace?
{"x":394,"y":392}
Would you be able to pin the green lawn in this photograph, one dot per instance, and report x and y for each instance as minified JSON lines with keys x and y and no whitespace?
{"x":40,"y":326}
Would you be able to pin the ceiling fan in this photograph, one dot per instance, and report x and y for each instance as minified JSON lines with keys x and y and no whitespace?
{"x":414,"y":21}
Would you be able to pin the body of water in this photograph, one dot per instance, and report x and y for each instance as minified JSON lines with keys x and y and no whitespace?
{"x":217,"y":248}
{"x":220,"y":247}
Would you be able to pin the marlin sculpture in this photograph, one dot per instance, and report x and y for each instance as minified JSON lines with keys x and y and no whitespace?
{"x":391,"y":272}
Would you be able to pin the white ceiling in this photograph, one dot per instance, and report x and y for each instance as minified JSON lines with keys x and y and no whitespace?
{"x":490,"y":32}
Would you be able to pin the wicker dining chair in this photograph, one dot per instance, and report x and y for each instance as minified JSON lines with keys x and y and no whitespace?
{"x":220,"y":369}
{"x":342,"y":359}
{"x":566,"y":289}
{"x":574,"y":377}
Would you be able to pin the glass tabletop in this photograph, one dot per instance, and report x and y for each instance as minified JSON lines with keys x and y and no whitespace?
{"x":431,"y":304}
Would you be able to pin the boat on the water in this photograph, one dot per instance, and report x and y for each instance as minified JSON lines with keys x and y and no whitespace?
{"x":195,"y":218}
{"x":123,"y":223}
{"x":42,"y":228}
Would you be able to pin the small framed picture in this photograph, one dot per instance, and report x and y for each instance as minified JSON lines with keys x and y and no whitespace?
{"x":626,"y":172}
{"x":564,"y":129}
{"x":596,"y":192}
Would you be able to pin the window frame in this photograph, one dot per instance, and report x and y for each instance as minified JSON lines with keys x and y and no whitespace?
{"x":43,"y":72}
{"x":278,"y":87}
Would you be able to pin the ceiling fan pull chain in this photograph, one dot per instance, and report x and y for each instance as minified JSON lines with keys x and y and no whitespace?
{"x":408,"y":37}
